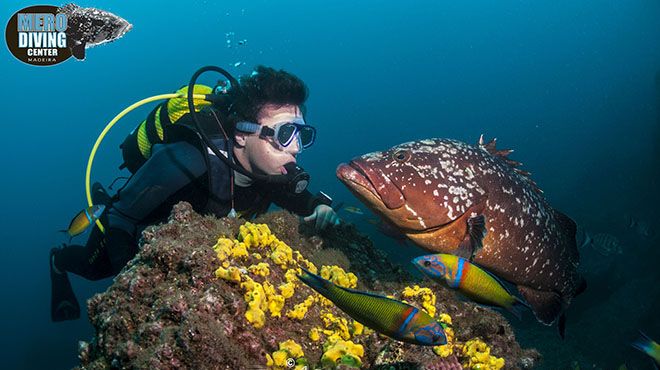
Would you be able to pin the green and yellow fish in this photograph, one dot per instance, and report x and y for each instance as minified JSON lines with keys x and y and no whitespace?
{"x":648,"y":346}
{"x":470,"y":280}
{"x":84,"y":219}
{"x":385,"y":315}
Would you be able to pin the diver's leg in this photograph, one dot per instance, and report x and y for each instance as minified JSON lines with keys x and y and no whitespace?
{"x":90,"y":262}
{"x":63,"y":302}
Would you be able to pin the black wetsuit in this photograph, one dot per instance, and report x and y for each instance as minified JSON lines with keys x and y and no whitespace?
{"x":174,"y":172}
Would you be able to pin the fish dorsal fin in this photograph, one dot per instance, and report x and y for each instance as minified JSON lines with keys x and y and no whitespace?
{"x":70,"y":7}
{"x":491,"y":148}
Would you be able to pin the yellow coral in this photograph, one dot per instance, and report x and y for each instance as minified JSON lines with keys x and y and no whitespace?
{"x":291,"y":275}
{"x":287,"y":350}
{"x":357,"y":328}
{"x":269,"y":360}
{"x":293,"y":349}
{"x":223,"y":248}
{"x":281,"y":254}
{"x":279,"y":358}
{"x":337,"y":351}
{"x":427,"y":295}
{"x":444,"y":318}
{"x":260,"y":269}
{"x":315,"y":334}
{"x":338,"y":324}
{"x":444,"y":351}
{"x":447,"y":349}
{"x":478,"y":356}
{"x":338,"y":276}
{"x":286,"y":290}
{"x":256,"y":298}
{"x":300,"y":309}
{"x":239,"y":250}
{"x":255,"y":235}
{"x":231,"y":274}
{"x":275,"y":305}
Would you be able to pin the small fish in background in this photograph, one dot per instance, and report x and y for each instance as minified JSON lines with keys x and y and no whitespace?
{"x":89,"y":27}
{"x":606,"y":244}
{"x":648,"y":346}
{"x":84,"y":219}
{"x":470,"y":280}
{"x":583,"y":238}
{"x":354,"y":210}
{"x":387,"y":316}
{"x":642,"y":228}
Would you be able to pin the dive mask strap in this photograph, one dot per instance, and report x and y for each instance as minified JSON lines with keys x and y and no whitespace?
{"x":249,"y":127}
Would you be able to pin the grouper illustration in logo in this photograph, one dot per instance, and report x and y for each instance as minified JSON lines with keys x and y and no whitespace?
{"x":88,"y":27}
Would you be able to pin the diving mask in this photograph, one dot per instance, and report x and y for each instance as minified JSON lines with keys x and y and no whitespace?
{"x":283,"y":133}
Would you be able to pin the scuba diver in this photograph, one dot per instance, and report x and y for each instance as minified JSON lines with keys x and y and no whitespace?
{"x":242,"y":160}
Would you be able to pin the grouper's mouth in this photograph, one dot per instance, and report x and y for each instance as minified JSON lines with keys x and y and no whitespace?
{"x":379,"y":193}
{"x":357,"y":181}
{"x":376,"y":190}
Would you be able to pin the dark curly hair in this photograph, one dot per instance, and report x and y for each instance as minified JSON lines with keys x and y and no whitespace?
{"x":265,"y":86}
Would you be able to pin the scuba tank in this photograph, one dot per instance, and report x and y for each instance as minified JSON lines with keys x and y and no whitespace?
{"x":156,"y":128}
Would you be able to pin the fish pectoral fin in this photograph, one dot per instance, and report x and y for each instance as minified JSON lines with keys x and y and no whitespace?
{"x":546,"y":305}
{"x":473,"y":242}
{"x":78,"y":50}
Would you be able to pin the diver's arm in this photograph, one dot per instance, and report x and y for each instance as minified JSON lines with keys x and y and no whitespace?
{"x":302,"y":204}
{"x":170,"y":168}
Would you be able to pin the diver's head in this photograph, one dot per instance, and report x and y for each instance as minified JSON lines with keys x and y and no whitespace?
{"x":267,"y":116}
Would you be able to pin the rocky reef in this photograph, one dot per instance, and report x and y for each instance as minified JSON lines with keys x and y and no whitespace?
{"x":207,"y":293}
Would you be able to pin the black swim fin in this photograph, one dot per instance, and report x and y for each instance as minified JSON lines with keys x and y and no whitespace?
{"x":63,"y":303}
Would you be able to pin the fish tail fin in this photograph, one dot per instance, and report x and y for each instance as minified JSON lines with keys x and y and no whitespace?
{"x":561,"y":326}
{"x":582,"y":286}
{"x":546,"y":305}
{"x":643,"y":343}
{"x":315,"y":282}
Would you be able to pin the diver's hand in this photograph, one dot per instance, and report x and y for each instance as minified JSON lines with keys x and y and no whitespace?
{"x":324,"y":216}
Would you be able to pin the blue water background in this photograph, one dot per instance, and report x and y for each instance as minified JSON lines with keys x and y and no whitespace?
{"x":570,"y":85}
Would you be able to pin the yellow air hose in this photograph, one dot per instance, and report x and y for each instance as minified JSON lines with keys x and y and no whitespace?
{"x":107,"y":128}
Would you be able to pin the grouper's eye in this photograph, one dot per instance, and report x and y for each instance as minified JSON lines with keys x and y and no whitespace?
{"x":401,"y":156}
{"x":427,"y":263}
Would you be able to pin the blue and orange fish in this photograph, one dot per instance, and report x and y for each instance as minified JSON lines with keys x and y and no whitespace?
{"x":84,"y":219}
{"x":387,"y":316}
{"x":470,"y":280}
{"x":648,"y":346}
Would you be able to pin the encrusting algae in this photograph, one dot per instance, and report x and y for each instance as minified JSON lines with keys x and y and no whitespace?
{"x":257,"y":241}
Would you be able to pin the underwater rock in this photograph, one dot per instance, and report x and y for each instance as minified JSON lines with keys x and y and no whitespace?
{"x":178,"y":304}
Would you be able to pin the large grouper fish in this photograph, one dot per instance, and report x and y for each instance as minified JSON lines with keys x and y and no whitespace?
{"x":474,"y":202}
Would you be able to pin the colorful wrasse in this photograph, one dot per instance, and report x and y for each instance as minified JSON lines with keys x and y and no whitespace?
{"x":469,"y":279}
{"x":84,"y":219}
{"x":474,"y":202}
{"x":387,"y":316}
{"x":648,"y":346}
